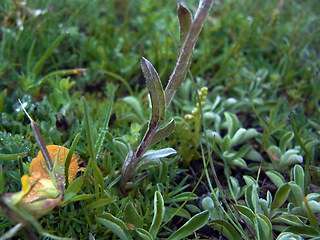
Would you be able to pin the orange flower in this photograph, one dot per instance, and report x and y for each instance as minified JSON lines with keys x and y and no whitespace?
{"x":39,"y":169}
{"x":39,"y":193}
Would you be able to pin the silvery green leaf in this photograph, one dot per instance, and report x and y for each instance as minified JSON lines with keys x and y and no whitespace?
{"x":285,"y":139}
{"x":121,"y":148}
{"x":298,"y":175}
{"x":239,"y":162}
{"x":242,"y":135}
{"x":235,"y":186}
{"x":237,"y":137}
{"x":155,"y":90}
{"x":155,"y":155}
{"x":185,"y":21}
{"x":191,"y":226}
{"x":228,"y":155}
{"x":280,"y":196}
{"x":290,"y":158}
{"x":158,"y":214}
{"x":288,"y":236}
{"x":164,"y":132}
{"x":297,"y":194}
{"x":313,"y":196}
{"x":115,"y":225}
{"x":254,"y":155}
{"x":265,"y":227}
{"x":135,"y":104}
{"x":230,"y":102}
{"x":288,"y":219}
{"x":145,"y":235}
{"x":249,"y":180}
{"x":131,"y":215}
{"x":276,"y":178}
{"x":231,"y":123}
{"x":226,"y":143}
{"x":314,"y":206}
{"x":216,"y":103}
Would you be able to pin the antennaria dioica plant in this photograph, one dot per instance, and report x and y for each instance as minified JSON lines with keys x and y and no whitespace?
{"x":161,"y":98}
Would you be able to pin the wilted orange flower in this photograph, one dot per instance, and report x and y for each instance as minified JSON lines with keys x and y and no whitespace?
{"x":38,"y":166}
{"x":39,"y":193}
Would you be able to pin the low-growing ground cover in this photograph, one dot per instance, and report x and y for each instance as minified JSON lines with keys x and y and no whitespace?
{"x":233,"y":154}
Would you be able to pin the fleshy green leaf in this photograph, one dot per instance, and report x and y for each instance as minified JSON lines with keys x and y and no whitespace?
{"x":196,"y":222}
{"x":158,"y":214}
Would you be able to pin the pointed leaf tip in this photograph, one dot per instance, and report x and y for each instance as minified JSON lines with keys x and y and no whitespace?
{"x":185,"y":21}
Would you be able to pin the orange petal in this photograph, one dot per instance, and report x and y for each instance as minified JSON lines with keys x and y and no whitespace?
{"x":39,"y":169}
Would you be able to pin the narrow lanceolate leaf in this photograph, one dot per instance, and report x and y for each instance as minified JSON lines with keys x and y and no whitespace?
{"x":69,"y":156}
{"x":39,"y":140}
{"x":158,"y":107}
{"x":115,"y":225}
{"x":150,"y":156}
{"x":158,"y":214}
{"x":155,"y":90}
{"x":164,"y":132}
{"x":4,"y":156}
{"x":191,"y":226}
{"x":183,"y":63}
{"x":185,"y":21}
{"x":89,"y":129}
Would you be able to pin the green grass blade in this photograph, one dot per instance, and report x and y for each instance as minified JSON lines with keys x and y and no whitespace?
{"x":4,"y":156}
{"x":69,"y":157}
{"x":47,"y":54}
